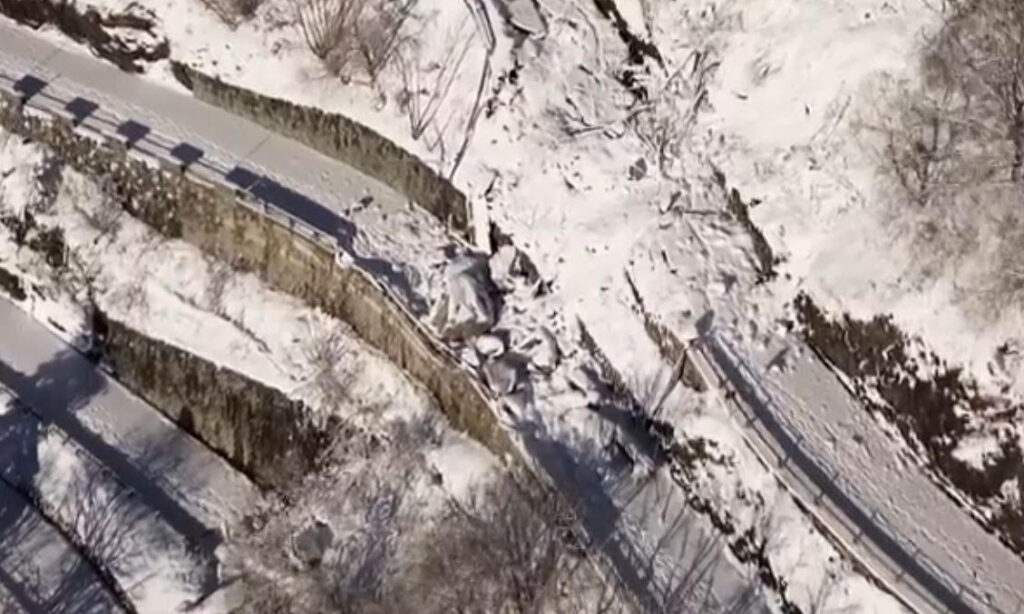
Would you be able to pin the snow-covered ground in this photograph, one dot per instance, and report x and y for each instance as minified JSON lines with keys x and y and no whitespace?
{"x":171,"y":292}
{"x":593,"y":180}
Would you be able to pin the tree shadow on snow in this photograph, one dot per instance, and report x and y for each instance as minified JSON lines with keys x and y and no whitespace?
{"x":55,"y":393}
{"x":658,"y":589}
{"x":78,"y":591}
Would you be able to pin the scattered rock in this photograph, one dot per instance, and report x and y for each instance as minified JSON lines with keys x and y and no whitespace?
{"x":11,"y":285}
{"x":471,"y":304}
{"x":638,"y":170}
{"x":503,"y":375}
{"x":312,"y":543}
{"x":490,"y":345}
{"x":544,"y":352}
{"x":502,"y":263}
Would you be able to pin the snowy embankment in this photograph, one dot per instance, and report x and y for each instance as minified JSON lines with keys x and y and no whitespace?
{"x":590,"y":184}
{"x":166,"y":491}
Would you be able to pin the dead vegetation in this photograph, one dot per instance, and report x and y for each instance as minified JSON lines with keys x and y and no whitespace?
{"x":332,"y":360}
{"x":953,"y":158}
{"x":354,"y":37}
{"x":233,"y":12}
{"x":508,"y":546}
{"x":427,"y":82}
{"x":952,"y":168}
{"x":97,"y":29}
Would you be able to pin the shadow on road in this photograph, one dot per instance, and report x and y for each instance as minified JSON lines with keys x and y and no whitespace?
{"x":315,"y":215}
{"x":744,"y":383}
{"x":682,"y":565}
{"x":55,"y":393}
{"x":78,"y":590}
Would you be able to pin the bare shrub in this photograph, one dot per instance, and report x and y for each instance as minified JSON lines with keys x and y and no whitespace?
{"x":233,"y":12}
{"x":132,"y":297}
{"x":822,"y":599}
{"x":665,"y":123}
{"x":329,"y":27}
{"x":380,"y":33}
{"x":954,"y":152}
{"x":219,"y":277}
{"x":427,"y":83}
{"x":104,"y":217}
{"x":332,"y":361}
{"x":81,"y":276}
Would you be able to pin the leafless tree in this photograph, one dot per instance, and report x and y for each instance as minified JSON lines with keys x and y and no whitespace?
{"x":427,"y":83}
{"x":502,"y":550}
{"x":954,"y":152}
{"x":979,"y":54}
{"x":380,"y":33}
{"x":329,"y":29}
{"x":361,"y":577}
{"x":101,"y":520}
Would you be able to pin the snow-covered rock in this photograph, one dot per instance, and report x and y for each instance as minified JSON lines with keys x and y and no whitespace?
{"x":544,"y":352}
{"x":490,"y":345}
{"x":471,"y":304}
{"x":503,"y":375}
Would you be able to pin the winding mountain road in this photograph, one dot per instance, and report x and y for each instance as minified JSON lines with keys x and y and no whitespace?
{"x":397,"y":243}
{"x":925,"y":573}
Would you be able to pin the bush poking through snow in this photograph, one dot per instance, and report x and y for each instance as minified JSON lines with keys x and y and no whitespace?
{"x":665,"y":123}
{"x":331,"y":362}
{"x":341,"y":32}
{"x":426,"y":83}
{"x":233,"y":12}
{"x":380,"y":34}
{"x":328,"y":27}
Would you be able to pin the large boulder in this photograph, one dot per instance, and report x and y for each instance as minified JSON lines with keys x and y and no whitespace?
{"x":471,"y":303}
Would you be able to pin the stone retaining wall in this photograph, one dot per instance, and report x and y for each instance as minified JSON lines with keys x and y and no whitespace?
{"x":341,"y":138}
{"x":271,"y":438}
{"x":213,"y":219}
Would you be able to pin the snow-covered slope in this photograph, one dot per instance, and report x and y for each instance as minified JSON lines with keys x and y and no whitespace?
{"x":597,"y":166}
{"x":92,"y":451}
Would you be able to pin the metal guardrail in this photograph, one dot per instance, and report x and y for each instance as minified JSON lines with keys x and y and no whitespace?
{"x":853,"y":493}
{"x":247,"y":199}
